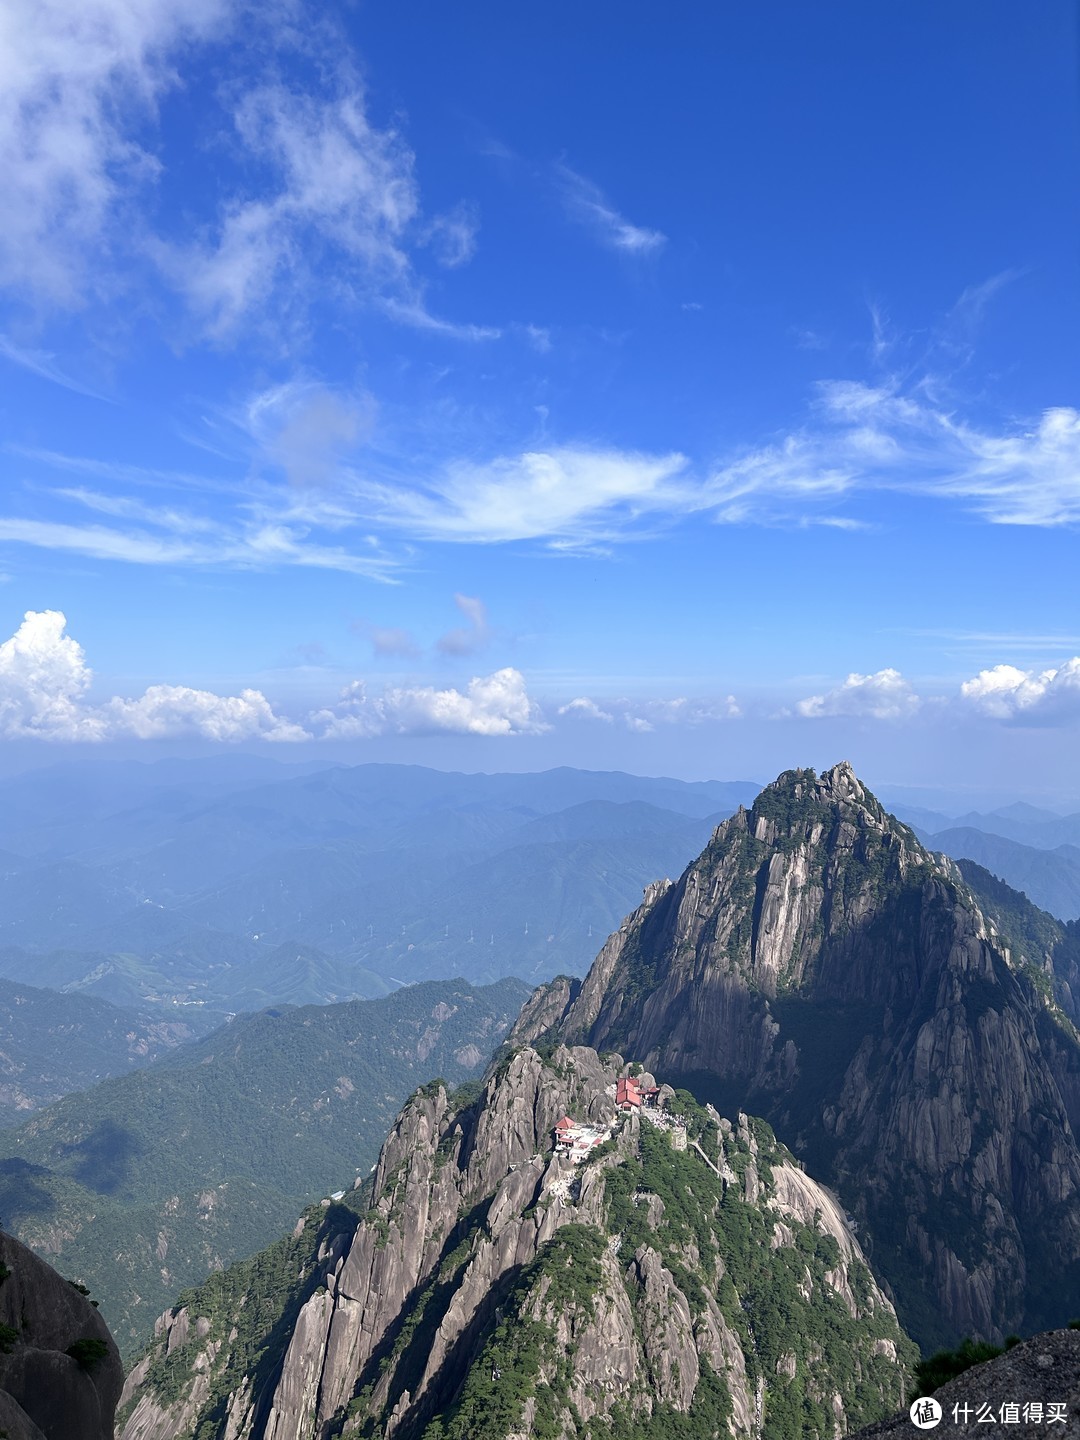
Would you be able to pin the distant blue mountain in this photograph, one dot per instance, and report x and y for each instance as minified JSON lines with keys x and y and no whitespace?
{"x":189,"y":881}
{"x":1049,"y":878}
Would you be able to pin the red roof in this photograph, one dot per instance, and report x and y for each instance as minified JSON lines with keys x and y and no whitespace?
{"x":565,"y":1123}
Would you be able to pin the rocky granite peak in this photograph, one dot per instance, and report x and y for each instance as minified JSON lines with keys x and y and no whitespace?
{"x":60,"y":1371}
{"x":577,"y":1251}
{"x":818,"y":965}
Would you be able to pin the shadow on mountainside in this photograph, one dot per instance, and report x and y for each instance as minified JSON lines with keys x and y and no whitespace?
{"x":20,"y":1192}
{"x":104,"y":1160}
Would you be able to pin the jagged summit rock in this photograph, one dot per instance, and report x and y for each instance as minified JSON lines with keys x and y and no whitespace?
{"x":658,"y":1269}
{"x":817,"y":965}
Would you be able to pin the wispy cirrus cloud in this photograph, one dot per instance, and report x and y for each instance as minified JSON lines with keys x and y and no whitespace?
{"x":412,"y":313}
{"x":259,"y":542}
{"x":572,"y":495}
{"x":77,"y":83}
{"x":311,"y":197}
{"x":587,"y":204}
{"x":346,"y":482}
{"x":878,"y":438}
{"x":452,"y":236}
{"x":338,"y":206}
{"x":307,"y":429}
{"x":44,"y":364}
{"x":999,"y":640}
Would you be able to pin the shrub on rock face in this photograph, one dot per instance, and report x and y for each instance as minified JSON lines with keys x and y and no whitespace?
{"x":88,"y":1351}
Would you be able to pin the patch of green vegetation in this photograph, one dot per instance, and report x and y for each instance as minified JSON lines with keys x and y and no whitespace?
{"x":122,"y":1151}
{"x":707,"y":1417}
{"x":497,"y":1386}
{"x":778,"y":1300}
{"x":88,"y":1351}
{"x":793,"y":805}
{"x":464,"y":1097}
{"x":507,"y":1371}
{"x":8,"y":1337}
{"x":1045,"y":951}
{"x":945,"y":1365}
{"x":570,"y":1262}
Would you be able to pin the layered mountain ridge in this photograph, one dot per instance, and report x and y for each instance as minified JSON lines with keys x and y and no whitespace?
{"x":816,"y":964}
{"x":146,"y":1182}
{"x":682,"y":1275}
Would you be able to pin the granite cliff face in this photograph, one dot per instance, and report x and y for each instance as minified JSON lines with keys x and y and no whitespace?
{"x":817,"y":965}
{"x":683,"y":1275}
{"x":60,"y":1372}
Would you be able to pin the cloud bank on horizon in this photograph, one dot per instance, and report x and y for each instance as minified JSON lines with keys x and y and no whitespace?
{"x":45,"y":683}
{"x":301,"y":334}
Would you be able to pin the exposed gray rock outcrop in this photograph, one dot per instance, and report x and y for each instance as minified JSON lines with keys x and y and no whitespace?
{"x":488,"y":1260}
{"x":46,"y":1391}
{"x":820,"y":966}
{"x":1041,"y":1372}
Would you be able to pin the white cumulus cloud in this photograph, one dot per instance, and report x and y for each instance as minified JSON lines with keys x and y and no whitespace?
{"x":586,"y":709}
{"x":885,"y":695}
{"x":163,"y":711}
{"x":496,"y":704}
{"x":1038,"y":696}
{"x":45,"y":680}
{"x":643,"y":716}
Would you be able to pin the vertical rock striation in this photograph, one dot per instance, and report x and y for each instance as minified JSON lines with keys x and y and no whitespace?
{"x":818,"y":965}
{"x":496,"y":1289}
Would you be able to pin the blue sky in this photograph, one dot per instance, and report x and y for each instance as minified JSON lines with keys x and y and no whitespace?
{"x":498,"y":386}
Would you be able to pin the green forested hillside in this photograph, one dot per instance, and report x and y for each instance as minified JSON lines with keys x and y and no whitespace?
{"x":1039,"y":944}
{"x":686,"y":1280}
{"x":52,"y":1044}
{"x":209,"y":1153}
